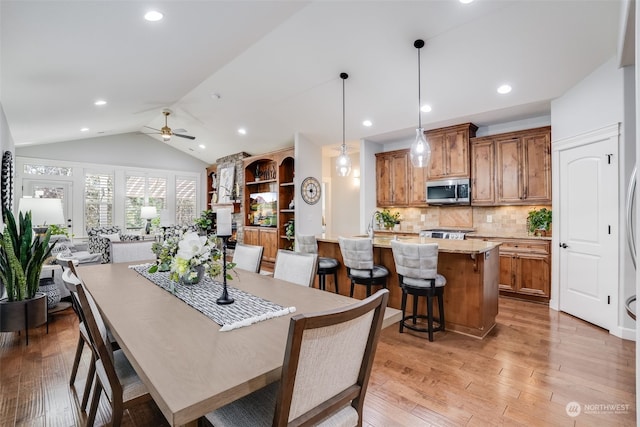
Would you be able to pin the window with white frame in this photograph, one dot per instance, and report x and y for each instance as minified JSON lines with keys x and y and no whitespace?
{"x":98,"y":199}
{"x":185,"y":200}
{"x":143,"y":191}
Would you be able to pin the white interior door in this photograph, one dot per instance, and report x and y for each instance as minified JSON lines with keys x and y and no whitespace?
{"x":588,"y":252}
{"x":52,"y":190}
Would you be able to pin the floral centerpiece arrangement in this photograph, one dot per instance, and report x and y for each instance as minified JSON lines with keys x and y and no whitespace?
{"x":188,"y":256}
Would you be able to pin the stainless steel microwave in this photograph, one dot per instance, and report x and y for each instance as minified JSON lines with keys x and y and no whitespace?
{"x":449,"y":192}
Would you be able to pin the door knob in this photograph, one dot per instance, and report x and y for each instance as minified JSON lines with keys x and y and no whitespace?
{"x":563,"y":245}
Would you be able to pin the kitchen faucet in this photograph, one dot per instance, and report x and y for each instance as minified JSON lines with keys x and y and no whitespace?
{"x":370,"y":226}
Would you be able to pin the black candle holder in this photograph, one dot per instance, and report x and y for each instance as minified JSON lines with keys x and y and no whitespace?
{"x":224,"y":299}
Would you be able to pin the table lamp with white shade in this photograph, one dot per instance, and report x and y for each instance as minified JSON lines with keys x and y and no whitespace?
{"x":44,"y":212}
{"x":148,"y":213}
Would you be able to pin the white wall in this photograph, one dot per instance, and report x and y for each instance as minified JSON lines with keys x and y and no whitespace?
{"x":6,"y":140}
{"x":344,"y":218}
{"x":598,"y":101}
{"x":308,"y":157}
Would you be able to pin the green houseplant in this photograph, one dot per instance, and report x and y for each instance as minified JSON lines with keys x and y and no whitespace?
{"x":388,"y":219}
{"x":21,"y":257}
{"x":539,"y":221}
{"x":290,"y":232}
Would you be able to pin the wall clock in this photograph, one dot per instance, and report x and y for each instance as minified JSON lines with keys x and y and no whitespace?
{"x":310,"y":190}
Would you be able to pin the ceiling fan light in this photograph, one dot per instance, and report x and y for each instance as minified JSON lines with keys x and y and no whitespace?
{"x":420,"y":152}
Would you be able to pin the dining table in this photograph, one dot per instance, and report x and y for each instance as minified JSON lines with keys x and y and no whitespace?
{"x":189,"y":365}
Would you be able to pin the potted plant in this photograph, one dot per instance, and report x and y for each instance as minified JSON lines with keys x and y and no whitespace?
{"x":290,"y":233}
{"x":21,"y":257}
{"x":205,"y":221}
{"x":388,"y":219}
{"x":539,"y":221}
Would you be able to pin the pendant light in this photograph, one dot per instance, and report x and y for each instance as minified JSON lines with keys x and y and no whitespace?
{"x":420,"y":152}
{"x":343,"y":162}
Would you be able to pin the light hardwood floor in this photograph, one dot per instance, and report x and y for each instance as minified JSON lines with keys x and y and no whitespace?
{"x":525,"y":372}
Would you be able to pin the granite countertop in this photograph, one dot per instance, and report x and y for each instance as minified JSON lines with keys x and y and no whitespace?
{"x":494,"y":235}
{"x":472,"y":246}
{"x":472,"y":234}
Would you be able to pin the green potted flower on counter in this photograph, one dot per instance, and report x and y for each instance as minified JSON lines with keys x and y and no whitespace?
{"x":539,"y":221}
{"x":388,"y":219}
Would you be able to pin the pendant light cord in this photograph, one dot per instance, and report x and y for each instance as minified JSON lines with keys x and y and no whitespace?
{"x":343,"y":119}
{"x":343,"y":76}
{"x":419,"y":99}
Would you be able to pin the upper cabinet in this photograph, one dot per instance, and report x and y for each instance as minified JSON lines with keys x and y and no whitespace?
{"x":450,"y":151}
{"x":392,"y":182}
{"x":512,"y":168}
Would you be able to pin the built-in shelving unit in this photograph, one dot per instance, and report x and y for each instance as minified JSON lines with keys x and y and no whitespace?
{"x":269,"y":173}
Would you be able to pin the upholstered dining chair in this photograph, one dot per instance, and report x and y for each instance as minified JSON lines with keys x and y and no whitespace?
{"x":114,"y":374}
{"x":309,"y":244}
{"x":417,"y":267}
{"x":295,"y":267}
{"x":248,"y":257}
{"x":357,"y":254}
{"x":314,"y":390}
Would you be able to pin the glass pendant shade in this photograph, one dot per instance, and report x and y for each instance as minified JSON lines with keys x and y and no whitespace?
{"x":420,"y":152}
{"x":343,"y":163}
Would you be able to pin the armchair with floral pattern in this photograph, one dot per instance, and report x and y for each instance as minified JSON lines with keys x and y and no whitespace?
{"x":100,"y":239}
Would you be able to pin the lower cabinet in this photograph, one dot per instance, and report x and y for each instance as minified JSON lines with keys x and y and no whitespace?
{"x":525,"y":268}
{"x":265,"y":237}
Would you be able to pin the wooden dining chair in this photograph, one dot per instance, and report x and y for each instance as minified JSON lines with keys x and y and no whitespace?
{"x":72,"y":282}
{"x":295,"y":267}
{"x":248,"y":257}
{"x":313,"y":388}
{"x":114,"y":374}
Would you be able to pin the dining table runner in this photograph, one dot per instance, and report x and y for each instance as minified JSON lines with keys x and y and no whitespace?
{"x":246,"y":310}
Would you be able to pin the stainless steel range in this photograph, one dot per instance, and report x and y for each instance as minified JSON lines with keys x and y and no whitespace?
{"x":445,"y":234}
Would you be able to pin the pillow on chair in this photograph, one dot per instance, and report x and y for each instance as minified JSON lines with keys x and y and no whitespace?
{"x":115,"y":237}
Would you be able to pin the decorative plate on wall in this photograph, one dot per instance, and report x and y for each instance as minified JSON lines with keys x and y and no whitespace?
{"x":6,"y":180}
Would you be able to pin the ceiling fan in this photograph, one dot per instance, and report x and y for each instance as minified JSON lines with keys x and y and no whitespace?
{"x":166,"y":131}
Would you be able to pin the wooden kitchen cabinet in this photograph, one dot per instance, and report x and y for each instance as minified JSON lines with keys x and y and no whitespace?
{"x":512,"y":168}
{"x":483,"y":172}
{"x":450,"y":151}
{"x":417,"y":186}
{"x":392,"y":182}
{"x":523,"y":167}
{"x":525,"y":268}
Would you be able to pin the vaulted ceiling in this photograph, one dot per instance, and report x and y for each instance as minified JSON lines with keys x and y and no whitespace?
{"x":272,"y":67}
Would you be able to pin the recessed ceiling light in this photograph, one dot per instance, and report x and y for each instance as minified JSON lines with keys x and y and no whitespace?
{"x":425,"y":108}
{"x":242,"y":131}
{"x":504,"y":89}
{"x":202,"y":146}
{"x":100,"y":102}
{"x":367,"y":123}
{"x":84,"y":130}
{"x":465,"y":1}
{"x":153,"y":16}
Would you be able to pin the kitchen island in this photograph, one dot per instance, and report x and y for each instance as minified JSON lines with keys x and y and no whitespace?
{"x":471,"y":267}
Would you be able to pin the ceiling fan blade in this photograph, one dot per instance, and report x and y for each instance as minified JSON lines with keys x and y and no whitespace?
{"x":152,"y":128}
{"x":183,"y":136}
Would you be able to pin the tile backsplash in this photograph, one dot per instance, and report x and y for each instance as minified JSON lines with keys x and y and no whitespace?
{"x":491,"y":219}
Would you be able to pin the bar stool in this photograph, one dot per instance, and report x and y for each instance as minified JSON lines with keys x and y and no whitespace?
{"x":417,"y":266}
{"x":309,"y":244}
{"x":357,"y":254}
